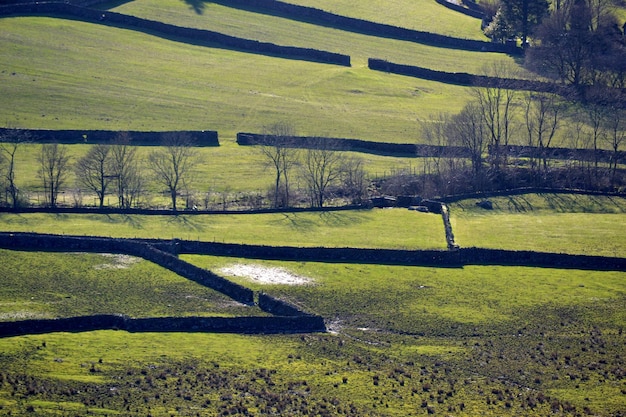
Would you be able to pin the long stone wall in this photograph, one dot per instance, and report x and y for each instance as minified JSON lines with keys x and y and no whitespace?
{"x":352,"y":145}
{"x":174,"y":32}
{"x":251,"y":325}
{"x":321,"y":17}
{"x":465,"y":79}
{"x":197,"y":138}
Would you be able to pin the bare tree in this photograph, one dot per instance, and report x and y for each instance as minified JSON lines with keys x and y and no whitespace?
{"x":616,"y":123}
{"x":53,"y":170}
{"x":542,"y":117}
{"x":497,"y":110}
{"x":321,"y":167}
{"x":173,"y":163}
{"x":94,"y":171}
{"x":126,"y":171}
{"x":467,"y":129}
{"x":277,"y":147}
{"x":354,"y":179}
{"x":597,"y":115}
{"x":10,"y":142}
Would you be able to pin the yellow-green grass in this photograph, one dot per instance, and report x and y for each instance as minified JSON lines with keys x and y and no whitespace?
{"x":424,"y":15}
{"x":51,"y":285}
{"x":402,"y":334}
{"x":377,"y":228}
{"x":282,"y":31}
{"x":575,"y":224}
{"x":59,"y":74}
{"x":229,"y":167}
{"x":458,"y":301}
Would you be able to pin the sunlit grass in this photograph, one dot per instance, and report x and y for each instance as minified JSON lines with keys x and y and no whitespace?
{"x":76,"y":284}
{"x":424,"y":15}
{"x":549,"y":222}
{"x":267,"y":28}
{"x":393,"y":229}
{"x":447,"y":301}
{"x":123,"y":80}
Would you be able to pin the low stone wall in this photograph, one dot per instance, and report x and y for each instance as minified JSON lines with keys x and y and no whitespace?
{"x":439,"y":258}
{"x":250,"y":325}
{"x":175,"y":32}
{"x":41,"y":242}
{"x":465,"y":79}
{"x":279,"y":307}
{"x":352,"y":145}
{"x":317,"y":16}
{"x":473,"y":12}
{"x":482,"y":256}
{"x":602,"y":155}
{"x":528,"y":190}
{"x":198,"y":138}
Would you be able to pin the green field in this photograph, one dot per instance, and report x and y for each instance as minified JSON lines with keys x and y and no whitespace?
{"x":563,"y":223}
{"x":479,"y":340}
{"x":282,"y":31}
{"x":227,"y":168}
{"x":75,"y":284}
{"x":68,"y":74}
{"x":393,"y":229}
{"x":402,"y":341}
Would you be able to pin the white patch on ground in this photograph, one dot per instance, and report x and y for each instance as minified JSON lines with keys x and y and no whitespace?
{"x":117,"y":261}
{"x":265,"y":275}
{"x":20,"y":315}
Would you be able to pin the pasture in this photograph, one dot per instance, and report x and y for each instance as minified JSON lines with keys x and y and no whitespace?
{"x":565,"y":223}
{"x":403,"y":341}
{"x":54,"y":71}
{"x":378,"y":228}
{"x":478,"y":340}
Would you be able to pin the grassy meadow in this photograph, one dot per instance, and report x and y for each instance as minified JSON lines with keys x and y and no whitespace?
{"x":282,"y":31}
{"x":228,"y":168}
{"x":66,"y":74}
{"x":402,"y":341}
{"x":489,"y":340}
{"x":565,"y":223}
{"x":77,"y":284}
{"x":378,"y":228}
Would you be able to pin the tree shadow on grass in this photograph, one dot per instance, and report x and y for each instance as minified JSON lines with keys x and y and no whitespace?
{"x":295,"y":221}
{"x":187,"y":223}
{"x":519,"y":204}
{"x":197,"y":6}
{"x":341,"y":218}
{"x":580,"y":203}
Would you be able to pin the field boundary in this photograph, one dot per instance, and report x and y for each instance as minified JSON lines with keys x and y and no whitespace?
{"x":175,"y":33}
{"x":169,"y":249}
{"x":199,"y":138}
{"x":243,"y":325}
{"x":366,"y":27}
{"x":285,"y":318}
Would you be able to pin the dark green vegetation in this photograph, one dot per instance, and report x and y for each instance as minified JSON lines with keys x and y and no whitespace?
{"x":482,"y":340}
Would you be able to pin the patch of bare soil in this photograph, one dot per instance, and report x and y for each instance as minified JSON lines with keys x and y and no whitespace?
{"x":117,"y":261}
{"x":265,"y":275}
